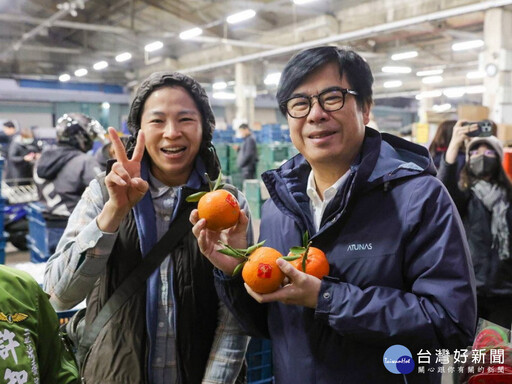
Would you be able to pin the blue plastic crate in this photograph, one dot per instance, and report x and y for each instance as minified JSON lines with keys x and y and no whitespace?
{"x":36,"y":238}
{"x":259,"y":361}
{"x":2,"y":250}
{"x":64,"y":316}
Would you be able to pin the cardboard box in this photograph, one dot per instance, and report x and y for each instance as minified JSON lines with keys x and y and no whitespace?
{"x":472,"y":112}
{"x":505,"y":133}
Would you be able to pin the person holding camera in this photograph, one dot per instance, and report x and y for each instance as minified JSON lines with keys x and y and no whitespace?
{"x":482,"y":194}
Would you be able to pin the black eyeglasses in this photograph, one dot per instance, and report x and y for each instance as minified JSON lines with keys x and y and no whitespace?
{"x":331,"y":100}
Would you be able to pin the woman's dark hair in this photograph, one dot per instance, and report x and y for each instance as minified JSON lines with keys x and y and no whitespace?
{"x":467,"y":179}
{"x":442,"y":137}
{"x":354,"y":67}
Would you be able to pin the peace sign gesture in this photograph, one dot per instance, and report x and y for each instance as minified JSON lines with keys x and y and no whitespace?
{"x":124,"y":184}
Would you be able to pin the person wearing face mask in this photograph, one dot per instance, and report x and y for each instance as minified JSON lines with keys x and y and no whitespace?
{"x":482,"y":194}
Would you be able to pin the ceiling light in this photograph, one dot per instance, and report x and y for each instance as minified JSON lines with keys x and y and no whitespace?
{"x":64,"y":77}
{"x":81,"y":72}
{"x":300,"y":2}
{"x":396,"y":69}
{"x":100,"y":65}
{"x":392,"y":84}
{"x":475,"y":89}
{"x":154,"y":46}
{"x":404,"y":55}
{"x":241,"y":16}
{"x":475,"y":75}
{"x":454,"y":92}
{"x":467,"y":45}
{"x":429,"y":94}
{"x":125,"y":56}
{"x":190,"y":33}
{"x":272,"y":78}
{"x":441,"y":107}
{"x":432,"y":79}
{"x":219,"y":85}
{"x":105,"y":105}
{"x":429,"y":72}
{"x":224,"y":95}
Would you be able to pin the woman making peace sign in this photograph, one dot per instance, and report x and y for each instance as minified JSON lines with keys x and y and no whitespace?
{"x":176,"y":330}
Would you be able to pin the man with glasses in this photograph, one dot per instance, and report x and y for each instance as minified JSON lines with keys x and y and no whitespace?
{"x":400,"y":273}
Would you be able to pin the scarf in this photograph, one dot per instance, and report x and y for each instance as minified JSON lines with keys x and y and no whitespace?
{"x":494,"y":198}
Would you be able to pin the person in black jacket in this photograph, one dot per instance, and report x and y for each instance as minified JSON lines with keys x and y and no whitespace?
{"x":22,"y":154}
{"x":483,"y":193}
{"x":6,"y":135}
{"x":64,"y":171}
{"x":247,"y":154}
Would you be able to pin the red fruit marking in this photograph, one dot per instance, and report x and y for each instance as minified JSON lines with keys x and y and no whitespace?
{"x":264,"y":271}
{"x":231,"y":200}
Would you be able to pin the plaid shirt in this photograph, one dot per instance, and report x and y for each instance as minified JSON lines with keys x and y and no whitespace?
{"x":69,"y":277}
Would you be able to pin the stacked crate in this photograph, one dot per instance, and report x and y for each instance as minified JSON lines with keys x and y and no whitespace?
{"x":36,"y":239}
{"x":3,"y":236}
{"x":252,"y":192}
{"x":259,"y":361}
{"x":223,"y":155}
{"x":271,"y":156}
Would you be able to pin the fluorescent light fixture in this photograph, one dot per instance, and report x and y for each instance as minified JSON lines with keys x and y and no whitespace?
{"x":441,"y":107}
{"x":475,"y":89}
{"x":432,"y":79}
{"x":392,"y":84}
{"x":224,"y":95}
{"x":81,"y":72}
{"x":462,"y":46}
{"x":475,"y":75}
{"x":404,"y":55}
{"x":454,"y":92}
{"x":272,"y":78}
{"x":64,"y":77}
{"x":219,"y":85}
{"x":190,"y":33}
{"x":429,"y":94}
{"x":105,"y":105}
{"x":396,"y":69}
{"x":125,"y":56}
{"x":300,"y":2}
{"x":100,"y":65}
{"x":430,"y":72}
{"x":154,"y":46}
{"x":241,"y":16}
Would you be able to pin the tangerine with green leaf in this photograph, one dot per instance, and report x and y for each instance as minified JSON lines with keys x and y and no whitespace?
{"x":218,"y":207}
{"x":310,"y":260}
{"x":259,"y":267}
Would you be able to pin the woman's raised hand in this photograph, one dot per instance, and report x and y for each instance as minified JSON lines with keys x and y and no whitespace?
{"x":124,"y":184}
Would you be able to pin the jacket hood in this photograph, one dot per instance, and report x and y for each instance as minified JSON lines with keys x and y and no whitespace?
{"x":51,"y":161}
{"x":198,"y":94}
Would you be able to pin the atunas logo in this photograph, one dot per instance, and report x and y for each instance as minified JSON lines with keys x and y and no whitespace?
{"x":360,"y":247}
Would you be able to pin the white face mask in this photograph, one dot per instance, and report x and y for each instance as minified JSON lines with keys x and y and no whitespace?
{"x":27,"y":140}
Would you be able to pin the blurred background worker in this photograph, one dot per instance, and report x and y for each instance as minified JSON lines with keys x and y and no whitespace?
{"x":483,"y":193}
{"x":65,"y":170}
{"x":247,"y":153}
{"x":6,"y":135}
{"x":22,"y":154}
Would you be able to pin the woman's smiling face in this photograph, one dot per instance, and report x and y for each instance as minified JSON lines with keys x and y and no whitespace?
{"x":172,"y":125}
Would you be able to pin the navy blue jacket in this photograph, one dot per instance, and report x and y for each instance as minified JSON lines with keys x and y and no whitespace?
{"x":400,"y":271}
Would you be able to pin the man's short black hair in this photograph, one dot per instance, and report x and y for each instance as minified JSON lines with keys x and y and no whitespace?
{"x":354,"y":67}
{"x":243,"y":126}
{"x":9,"y":124}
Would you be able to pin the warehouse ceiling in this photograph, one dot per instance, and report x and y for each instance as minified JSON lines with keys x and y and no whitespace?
{"x":42,"y":39}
